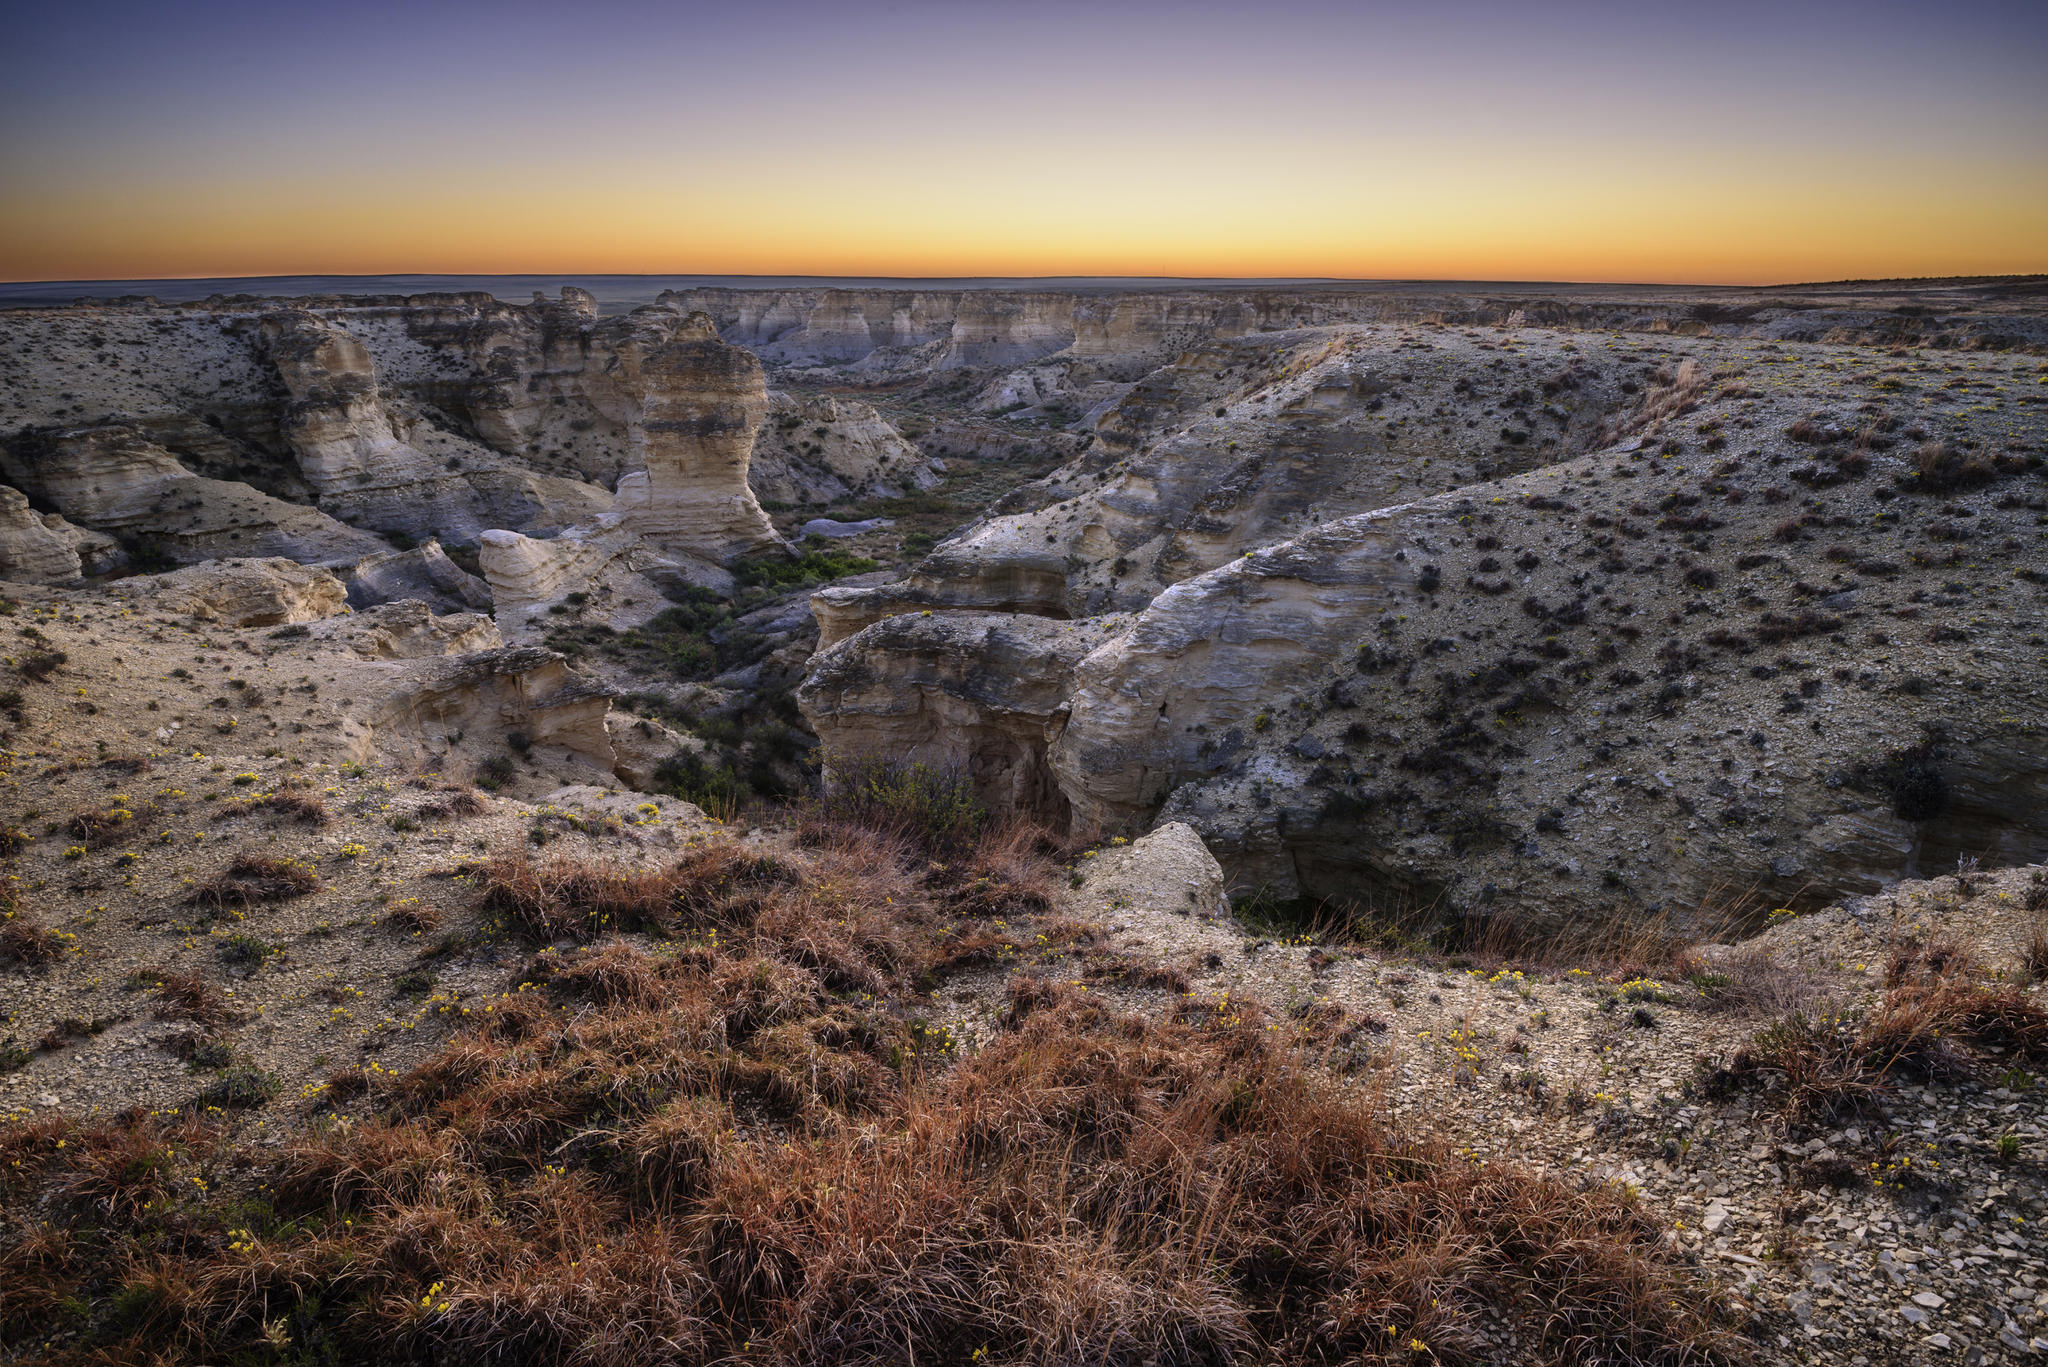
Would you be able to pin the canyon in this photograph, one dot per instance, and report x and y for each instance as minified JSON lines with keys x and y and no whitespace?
{"x":555,"y":771}
{"x":1539,"y":607}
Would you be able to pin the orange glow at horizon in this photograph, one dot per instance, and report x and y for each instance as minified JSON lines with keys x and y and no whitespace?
{"x":1704,"y":234}
{"x":1592,"y":140}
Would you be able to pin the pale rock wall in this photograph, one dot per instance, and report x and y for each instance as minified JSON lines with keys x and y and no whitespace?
{"x":113,"y":479}
{"x":434,"y":703}
{"x":424,"y":573}
{"x":977,"y":691}
{"x":32,"y":551}
{"x":367,"y":467}
{"x":700,"y":403}
{"x":1205,"y":655}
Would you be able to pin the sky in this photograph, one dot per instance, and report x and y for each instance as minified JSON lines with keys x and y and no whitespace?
{"x":1736,"y":143}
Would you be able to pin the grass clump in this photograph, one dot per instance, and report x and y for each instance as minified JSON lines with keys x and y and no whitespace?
{"x":930,"y":806}
{"x":1937,"y":1020}
{"x":26,"y":944}
{"x":254,"y":878}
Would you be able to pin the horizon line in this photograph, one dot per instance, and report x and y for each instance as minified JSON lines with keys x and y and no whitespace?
{"x":1230,"y":280}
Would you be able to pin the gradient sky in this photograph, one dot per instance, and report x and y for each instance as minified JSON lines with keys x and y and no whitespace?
{"x":1696,"y":142}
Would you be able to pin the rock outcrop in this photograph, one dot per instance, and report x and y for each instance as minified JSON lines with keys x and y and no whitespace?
{"x":623,"y":578}
{"x":242,"y":593}
{"x":114,"y":479}
{"x":424,"y":573}
{"x":410,"y":630}
{"x":524,"y":691}
{"x":1655,"y":680}
{"x":700,"y":403}
{"x":372,"y":467}
{"x":973,"y":691}
{"x":38,"y":548}
{"x":641,"y":746}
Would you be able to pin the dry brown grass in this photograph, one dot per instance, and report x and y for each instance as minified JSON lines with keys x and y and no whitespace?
{"x":297,"y":804}
{"x":250,"y":879}
{"x":188,"y":997}
{"x":1937,"y":1020}
{"x":26,"y":943}
{"x":100,"y":828}
{"x":1660,"y":405}
{"x":736,"y":1147}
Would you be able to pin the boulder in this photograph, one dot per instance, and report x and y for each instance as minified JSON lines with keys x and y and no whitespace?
{"x":242,"y":593}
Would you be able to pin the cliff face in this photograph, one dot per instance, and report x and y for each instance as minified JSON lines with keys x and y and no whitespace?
{"x":973,"y":691}
{"x":113,"y":479}
{"x":698,"y":404}
{"x":370,"y":466}
{"x":35,"y":549}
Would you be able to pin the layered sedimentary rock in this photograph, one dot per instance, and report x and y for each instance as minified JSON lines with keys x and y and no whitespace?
{"x":625,"y":580}
{"x":31,"y":550}
{"x":436,"y":703}
{"x":640,"y":747}
{"x":699,"y":403}
{"x":114,"y":479}
{"x":424,"y":573}
{"x":242,"y":593}
{"x":371,"y":466}
{"x":974,"y":691}
{"x":410,"y":630}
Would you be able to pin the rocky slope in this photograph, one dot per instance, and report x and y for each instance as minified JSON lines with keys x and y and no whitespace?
{"x":1778,"y":636}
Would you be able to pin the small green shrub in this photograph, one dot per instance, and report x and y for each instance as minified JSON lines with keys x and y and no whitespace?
{"x":932,"y":806}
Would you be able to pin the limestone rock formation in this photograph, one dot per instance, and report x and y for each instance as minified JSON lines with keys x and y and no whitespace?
{"x":410,"y":630}
{"x":33,"y":548}
{"x":242,"y":593}
{"x":977,"y":691}
{"x":624,"y":578}
{"x":1765,"y":641}
{"x":114,"y":479}
{"x":369,"y":466}
{"x":699,"y":404}
{"x":640,"y":746}
{"x":1168,"y":870}
{"x":424,"y":573}
{"x":1314,"y":710}
{"x":433,"y":704}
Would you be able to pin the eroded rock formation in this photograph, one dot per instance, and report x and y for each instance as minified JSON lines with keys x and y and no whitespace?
{"x":1642,"y":681}
{"x":823,"y":449}
{"x":34,"y":548}
{"x":369,"y":466}
{"x":976,"y":691}
{"x":424,"y":573}
{"x":114,"y":479}
{"x":242,"y":593}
